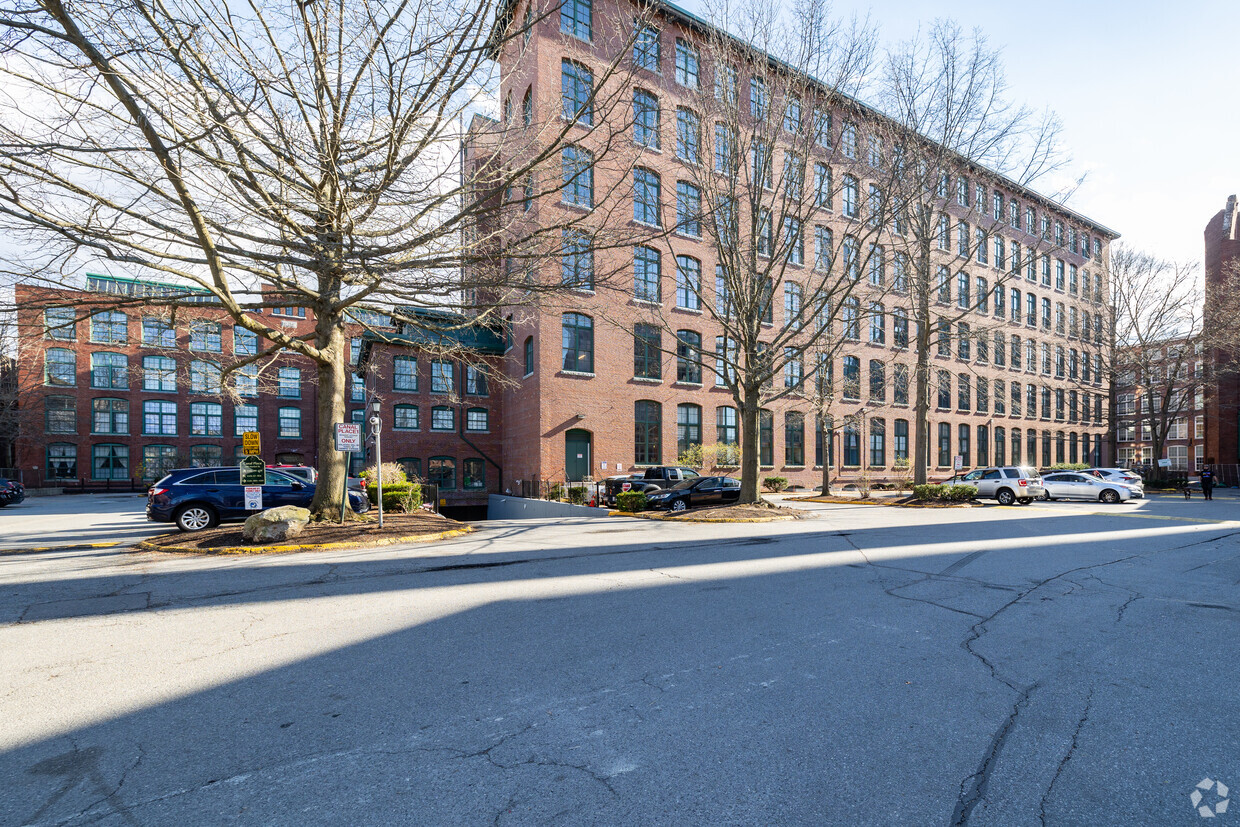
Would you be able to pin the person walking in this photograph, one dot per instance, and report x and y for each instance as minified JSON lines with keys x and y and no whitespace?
{"x":1207,"y":483}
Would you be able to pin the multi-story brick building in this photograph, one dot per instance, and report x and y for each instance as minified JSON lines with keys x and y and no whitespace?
{"x":1162,"y":389}
{"x":117,"y":396}
{"x":593,"y":393}
{"x":1222,"y":263}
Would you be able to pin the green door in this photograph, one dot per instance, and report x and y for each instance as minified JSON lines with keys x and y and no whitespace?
{"x":577,"y":454}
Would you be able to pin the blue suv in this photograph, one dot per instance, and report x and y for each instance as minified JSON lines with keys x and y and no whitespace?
{"x":198,"y":498}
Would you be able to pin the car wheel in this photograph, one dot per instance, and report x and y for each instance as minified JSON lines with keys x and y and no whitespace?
{"x":679,"y":505}
{"x":1005,"y":496}
{"x":195,"y":517}
{"x":1109,"y":496}
{"x":1046,"y":495}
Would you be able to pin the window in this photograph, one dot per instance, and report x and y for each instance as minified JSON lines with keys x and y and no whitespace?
{"x":962,"y":191}
{"x":793,"y":241}
{"x":792,"y":115}
{"x":849,"y":312}
{"x":945,"y":390}
{"x":822,"y":129}
{"x":875,"y":206}
{"x":962,"y":445}
{"x":575,"y":18}
{"x":822,"y":249}
{"x":647,"y":352}
{"x":725,"y":360}
{"x":688,"y":357}
{"x":878,"y":327}
{"x":206,"y":337}
{"x":645,"y":119}
{"x":60,"y":323}
{"x":962,"y":238}
{"x":404,"y":373}
{"x":61,"y":461}
{"x":529,"y":355}
{"x":443,"y":418}
{"x":878,"y":381}
{"x":647,"y":427}
{"x":762,"y":161}
{"x":900,"y":384}
{"x":109,"y":416}
{"x":852,"y":446}
{"x":441,"y":472}
{"x":794,"y":368}
{"x":964,"y":395}
{"x":159,"y":374}
{"x":725,"y":149}
{"x":109,"y":327}
{"x":688,"y":209}
{"x":646,"y":269}
{"x":877,"y":266}
{"x":852,"y":378}
{"x":688,"y":283}
{"x":475,"y":381}
{"x":822,"y":186}
{"x":245,"y":418}
{"x":757,"y":98}
{"x":60,"y":414}
{"x":577,"y":333}
{"x":576,"y":260}
{"x":852,"y":258}
{"x":766,"y":438}
{"x":291,"y":312}
{"x":899,"y":327}
{"x":206,"y":419}
{"x":157,"y":460}
{"x":794,"y":438}
{"x":878,"y":442}
{"x":110,"y":462}
{"x":478,"y":420}
{"x":289,"y":383}
{"x":245,"y":343}
{"x":578,"y":170}
{"x":850,"y":196}
{"x":646,"y":197}
{"x":687,"y":64}
{"x":159,"y":418}
{"x":980,"y":245}
{"x":443,"y":379}
{"x":107,"y":370}
{"x":158,"y":332}
{"x":473,"y":474}
{"x":981,"y":294}
{"x":405,"y":418}
{"x":962,"y":290}
{"x":646,"y":49}
{"x":688,"y":427}
{"x":848,"y":140}
{"x":357,"y":388}
{"x":688,"y":135}
{"x":725,"y":424}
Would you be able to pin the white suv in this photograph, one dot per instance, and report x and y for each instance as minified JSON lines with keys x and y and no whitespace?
{"x":1008,"y":483}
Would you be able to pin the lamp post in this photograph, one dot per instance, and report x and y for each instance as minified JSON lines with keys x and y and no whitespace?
{"x":376,"y":425}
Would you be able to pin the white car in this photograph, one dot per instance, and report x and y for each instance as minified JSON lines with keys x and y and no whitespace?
{"x":1073,"y":485}
{"x":1122,"y":476}
{"x":1008,"y":484}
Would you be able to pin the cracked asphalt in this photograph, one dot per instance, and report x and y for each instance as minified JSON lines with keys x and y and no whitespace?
{"x":1052,"y":664}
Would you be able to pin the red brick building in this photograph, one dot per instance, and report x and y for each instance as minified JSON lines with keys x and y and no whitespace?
{"x":1222,"y":262}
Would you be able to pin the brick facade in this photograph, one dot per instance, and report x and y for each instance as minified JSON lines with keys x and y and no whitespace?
{"x":1222,"y":248}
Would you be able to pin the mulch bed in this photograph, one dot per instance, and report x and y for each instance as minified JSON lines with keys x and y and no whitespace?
{"x":357,"y":532}
{"x":902,"y":502}
{"x":729,"y":514}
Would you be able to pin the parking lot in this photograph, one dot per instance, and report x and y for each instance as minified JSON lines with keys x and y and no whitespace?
{"x":1057,"y":663}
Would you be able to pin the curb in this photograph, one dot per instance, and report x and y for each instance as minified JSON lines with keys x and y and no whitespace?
{"x":646,"y":515}
{"x":390,"y":541}
{"x":72,"y":547}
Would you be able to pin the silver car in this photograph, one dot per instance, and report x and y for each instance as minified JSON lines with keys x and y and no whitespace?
{"x":1008,"y":484}
{"x":1078,"y":486}
{"x":1121,"y":476}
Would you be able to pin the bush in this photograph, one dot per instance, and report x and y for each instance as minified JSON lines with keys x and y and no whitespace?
{"x":1069,"y":466}
{"x":631,"y":501}
{"x":397,"y":496}
{"x":928,"y":491}
{"x":775,"y":484}
{"x":960,"y":493}
{"x":393,"y":473}
{"x":577,"y":494}
{"x":555,"y":491}
{"x":944,"y":493}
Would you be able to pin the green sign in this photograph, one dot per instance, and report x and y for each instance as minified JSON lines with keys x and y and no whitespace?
{"x":253,"y":471}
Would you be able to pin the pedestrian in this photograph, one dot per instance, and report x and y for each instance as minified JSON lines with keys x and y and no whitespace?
{"x":1207,"y":483}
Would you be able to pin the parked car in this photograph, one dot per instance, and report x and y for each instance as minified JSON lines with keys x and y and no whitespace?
{"x":11,"y":491}
{"x":647,"y":481}
{"x":1080,"y":486}
{"x":696,"y":493}
{"x":1008,"y":484}
{"x":305,"y":473}
{"x":198,"y":498}
{"x":1121,"y":476}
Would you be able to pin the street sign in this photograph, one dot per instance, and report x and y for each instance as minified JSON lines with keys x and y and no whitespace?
{"x":959,"y":462}
{"x":253,"y":471}
{"x":253,"y":498}
{"x":1164,"y":463}
{"x":250,"y":443}
{"x":348,"y":437}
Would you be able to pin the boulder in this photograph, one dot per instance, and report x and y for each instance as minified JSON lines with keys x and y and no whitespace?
{"x":276,"y":524}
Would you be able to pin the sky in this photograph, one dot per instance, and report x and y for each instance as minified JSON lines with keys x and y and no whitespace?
{"x":1148,"y":93}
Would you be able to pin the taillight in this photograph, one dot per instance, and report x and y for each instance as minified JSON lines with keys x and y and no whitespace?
{"x":155,"y":492}
{"x":1023,"y":482}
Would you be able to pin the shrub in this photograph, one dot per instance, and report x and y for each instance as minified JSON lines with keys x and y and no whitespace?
{"x":1069,"y":466}
{"x":555,"y":491}
{"x":631,"y":501}
{"x":577,"y":494}
{"x":775,"y":484}
{"x":928,"y":491}
{"x":393,"y":473}
{"x":960,"y":493}
{"x":944,"y":493}
{"x":397,"y":496}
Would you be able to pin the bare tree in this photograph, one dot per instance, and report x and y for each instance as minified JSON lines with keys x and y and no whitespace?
{"x":956,"y":138}
{"x":757,"y":133}
{"x":291,"y":155}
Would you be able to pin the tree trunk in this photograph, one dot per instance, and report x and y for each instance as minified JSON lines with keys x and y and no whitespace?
{"x":750,"y":448}
{"x":332,"y":386}
{"x":921,"y":406}
{"x":828,"y":435}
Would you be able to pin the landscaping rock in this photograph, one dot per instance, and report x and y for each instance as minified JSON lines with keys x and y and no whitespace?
{"x":276,"y":524}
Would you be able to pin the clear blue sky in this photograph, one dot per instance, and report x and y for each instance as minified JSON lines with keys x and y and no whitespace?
{"x":1149,"y":96}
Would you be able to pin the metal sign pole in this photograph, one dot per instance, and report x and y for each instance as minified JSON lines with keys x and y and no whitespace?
{"x":344,"y":496}
{"x":377,"y":423}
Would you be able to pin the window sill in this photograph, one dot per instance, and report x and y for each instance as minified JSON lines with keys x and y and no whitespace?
{"x":528,"y":375}
{"x":407,"y":430}
{"x":689,"y":310}
{"x":647,"y":380}
{"x":647,"y":147}
{"x":646,"y":302}
{"x":468,"y":431}
{"x":680,"y":384}
{"x":582,"y":373}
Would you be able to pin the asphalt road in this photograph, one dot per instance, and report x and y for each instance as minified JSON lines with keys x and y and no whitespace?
{"x":1051,"y":664}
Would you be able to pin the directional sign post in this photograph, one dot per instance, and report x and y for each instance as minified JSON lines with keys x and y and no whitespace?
{"x":348,"y":437}
{"x":253,"y":471}
{"x":250,"y":444}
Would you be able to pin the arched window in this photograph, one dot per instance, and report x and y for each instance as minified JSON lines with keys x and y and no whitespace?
{"x":646,"y":274}
{"x":405,"y":418}
{"x":529,"y":355}
{"x":852,"y":378}
{"x":878,"y":442}
{"x":1000,"y":446}
{"x":109,"y":370}
{"x":443,"y":418}
{"x":206,"y":419}
{"x":109,"y":327}
{"x":648,"y":425}
{"x":109,"y":416}
{"x":645,"y":118}
{"x":405,"y":374}
{"x":646,"y":197}
{"x":899,"y":441}
{"x":852,"y":446}
{"x":441,"y":471}
{"x":110,"y":462}
{"x":59,"y":367}
{"x":204,"y":378}
{"x":689,"y":357}
{"x":794,"y":438}
{"x":205,"y":456}
{"x":157,"y":460}
{"x":727,"y":432}
{"x":878,"y":381}
{"x":60,"y":414}
{"x":478,"y":420}
{"x":578,"y":171}
{"x":688,"y":427}
{"x":577,"y":343}
{"x":61,"y":461}
{"x":766,"y":438}
{"x":474,"y":474}
{"x":206,"y":337}
{"x":983,"y":445}
{"x":412,"y":467}
{"x":576,"y":86}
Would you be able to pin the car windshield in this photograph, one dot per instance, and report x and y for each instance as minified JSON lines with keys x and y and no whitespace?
{"x":687,"y":483}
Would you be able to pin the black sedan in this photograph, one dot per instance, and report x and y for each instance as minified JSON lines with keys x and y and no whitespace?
{"x":696,"y":493}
